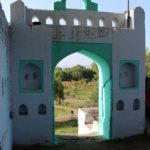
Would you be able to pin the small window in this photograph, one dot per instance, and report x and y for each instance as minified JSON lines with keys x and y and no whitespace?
{"x":89,"y":22}
{"x":76,"y":22}
{"x":23,"y":110}
{"x":136,"y":104}
{"x":120,"y":105}
{"x":62,"y":22}
{"x":49,"y":21}
{"x":42,"y":109}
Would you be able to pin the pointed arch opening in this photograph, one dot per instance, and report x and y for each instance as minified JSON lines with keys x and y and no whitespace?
{"x":62,"y":21}
{"x":102,"y":22}
{"x":89,"y":22}
{"x":76,"y":22}
{"x":115,"y":23}
{"x":49,"y":21}
{"x":35,"y":20}
{"x":104,"y":85}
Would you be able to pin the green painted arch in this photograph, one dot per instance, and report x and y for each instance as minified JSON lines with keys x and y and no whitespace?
{"x":61,"y":5}
{"x":102,"y":55}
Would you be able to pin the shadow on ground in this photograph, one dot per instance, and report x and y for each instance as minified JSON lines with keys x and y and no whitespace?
{"x":141,"y":142}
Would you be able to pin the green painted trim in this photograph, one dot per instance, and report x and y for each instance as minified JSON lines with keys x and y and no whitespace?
{"x":102,"y":54}
{"x":91,"y":6}
{"x":22,"y":64}
{"x":61,"y":5}
{"x":136,"y":64}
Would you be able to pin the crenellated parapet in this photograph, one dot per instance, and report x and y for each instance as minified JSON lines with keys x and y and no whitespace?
{"x":72,"y":17}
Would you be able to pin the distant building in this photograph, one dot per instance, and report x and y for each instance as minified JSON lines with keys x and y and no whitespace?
{"x":36,"y":40}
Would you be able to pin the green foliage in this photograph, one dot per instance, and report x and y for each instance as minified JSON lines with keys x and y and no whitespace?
{"x":77,"y":73}
{"x":147,"y":62}
{"x":94,"y":95}
{"x":61,"y":111}
{"x":95,"y":69}
{"x":69,"y":127}
{"x":58,"y":89}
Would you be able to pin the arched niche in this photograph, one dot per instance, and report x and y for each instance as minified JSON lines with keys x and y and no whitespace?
{"x":23,"y":110}
{"x":62,"y":21}
{"x":101,"y":22}
{"x":49,"y":21}
{"x":89,"y":22}
{"x":76,"y":22}
{"x":120,"y":105}
{"x":136,"y":104}
{"x":115,"y":23}
{"x":31,"y":78}
{"x":129,"y":75}
{"x":42,"y":109}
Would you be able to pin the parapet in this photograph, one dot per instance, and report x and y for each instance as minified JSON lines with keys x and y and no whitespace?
{"x":20,"y":14}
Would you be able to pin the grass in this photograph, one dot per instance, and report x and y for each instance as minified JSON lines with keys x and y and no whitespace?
{"x":77,"y":95}
{"x":79,"y":90}
{"x":69,"y":127}
{"x":61,"y":111}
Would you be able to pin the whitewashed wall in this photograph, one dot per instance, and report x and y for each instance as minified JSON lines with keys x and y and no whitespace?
{"x":34,"y":42}
{"x":5,"y":121}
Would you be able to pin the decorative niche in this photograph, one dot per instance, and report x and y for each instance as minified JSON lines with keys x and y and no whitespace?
{"x":31,"y":75}
{"x":128,"y":74}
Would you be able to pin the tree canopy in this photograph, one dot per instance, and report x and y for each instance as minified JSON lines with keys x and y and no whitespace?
{"x":75,"y":73}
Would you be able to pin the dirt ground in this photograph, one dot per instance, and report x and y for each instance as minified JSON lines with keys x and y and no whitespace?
{"x":141,"y":142}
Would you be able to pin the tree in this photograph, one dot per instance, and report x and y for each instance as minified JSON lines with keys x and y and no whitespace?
{"x":77,"y":72}
{"x":58,"y":87}
{"x":58,"y":90}
{"x":95,"y":69}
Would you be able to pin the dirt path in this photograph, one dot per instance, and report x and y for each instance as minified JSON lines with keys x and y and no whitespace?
{"x":66,"y":118}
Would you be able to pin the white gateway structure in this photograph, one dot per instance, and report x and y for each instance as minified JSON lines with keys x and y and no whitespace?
{"x":36,"y":40}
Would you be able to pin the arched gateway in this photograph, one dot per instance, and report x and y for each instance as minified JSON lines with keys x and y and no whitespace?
{"x":37,"y":46}
{"x":102,"y":55}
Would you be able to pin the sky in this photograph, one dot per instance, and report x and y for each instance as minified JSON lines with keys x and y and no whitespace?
{"x":103,"y":5}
